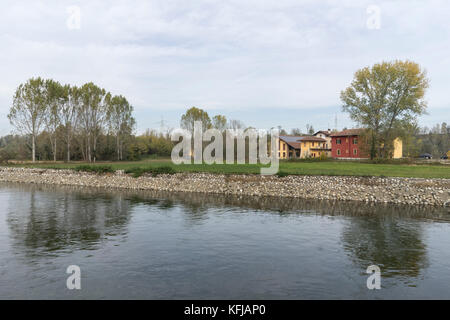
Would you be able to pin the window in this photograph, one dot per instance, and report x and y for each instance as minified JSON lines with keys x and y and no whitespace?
{"x":355,"y":140}
{"x":284,"y":154}
{"x":313,"y":144}
{"x":284,"y":146}
{"x":338,"y":152}
{"x":355,"y":151}
{"x":278,"y":154}
{"x":338,"y":141}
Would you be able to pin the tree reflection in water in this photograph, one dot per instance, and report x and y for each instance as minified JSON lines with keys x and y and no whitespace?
{"x":45,"y":219}
{"x":395,"y":245}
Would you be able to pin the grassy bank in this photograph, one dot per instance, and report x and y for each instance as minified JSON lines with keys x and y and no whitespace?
{"x":338,"y":168}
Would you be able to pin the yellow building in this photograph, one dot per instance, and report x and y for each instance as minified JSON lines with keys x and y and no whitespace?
{"x":327,"y":136}
{"x":398,"y":149}
{"x":301,"y":147}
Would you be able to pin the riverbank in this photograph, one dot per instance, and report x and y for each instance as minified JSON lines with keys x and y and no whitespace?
{"x":413,"y":191}
{"x":309,"y":167}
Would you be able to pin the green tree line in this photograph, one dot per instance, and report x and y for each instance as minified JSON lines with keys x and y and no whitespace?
{"x":72,"y":120}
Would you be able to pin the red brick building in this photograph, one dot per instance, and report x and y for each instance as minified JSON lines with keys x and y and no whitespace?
{"x":347,"y":144}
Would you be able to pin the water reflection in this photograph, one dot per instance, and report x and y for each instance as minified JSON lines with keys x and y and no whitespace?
{"x":396,"y":246}
{"x":48,"y":221}
{"x":43,"y":223}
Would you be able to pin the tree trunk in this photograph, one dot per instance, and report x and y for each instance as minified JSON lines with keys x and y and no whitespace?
{"x":118,"y":148}
{"x":54,"y":152}
{"x":372,"y":147}
{"x":94,"y":150}
{"x":68,"y":150}
{"x":88,"y":149}
{"x":33,"y":148}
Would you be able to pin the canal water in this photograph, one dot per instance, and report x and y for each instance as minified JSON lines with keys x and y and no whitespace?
{"x":150,"y":245}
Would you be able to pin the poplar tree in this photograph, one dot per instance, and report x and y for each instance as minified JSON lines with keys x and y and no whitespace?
{"x":29,"y":110}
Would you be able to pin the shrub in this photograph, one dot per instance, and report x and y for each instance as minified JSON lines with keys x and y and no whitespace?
{"x":137,"y":172}
{"x":96,"y":169}
{"x":4,"y":156}
{"x":282,"y":174}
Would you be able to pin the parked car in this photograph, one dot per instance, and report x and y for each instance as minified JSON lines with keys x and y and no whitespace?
{"x":445,"y":157}
{"x":426,"y":156}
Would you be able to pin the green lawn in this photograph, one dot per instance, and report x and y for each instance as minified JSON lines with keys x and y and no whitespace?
{"x":340,"y":168}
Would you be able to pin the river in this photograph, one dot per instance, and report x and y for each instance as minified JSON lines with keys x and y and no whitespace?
{"x":153,"y":245}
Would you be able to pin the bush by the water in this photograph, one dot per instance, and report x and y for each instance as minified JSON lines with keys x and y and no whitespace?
{"x":282,"y":174}
{"x":139,"y":171}
{"x":95,"y":169}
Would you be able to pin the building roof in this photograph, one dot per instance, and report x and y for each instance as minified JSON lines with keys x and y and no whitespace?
{"x":290,"y":138}
{"x":348,"y":132}
{"x":312,"y":138}
{"x":325,"y":132}
{"x":291,"y":141}
{"x":295,"y":141}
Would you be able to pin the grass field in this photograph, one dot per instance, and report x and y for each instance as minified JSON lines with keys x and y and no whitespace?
{"x":337,"y":168}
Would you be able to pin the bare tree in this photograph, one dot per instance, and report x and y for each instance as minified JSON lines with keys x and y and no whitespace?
{"x":69,"y":114}
{"x":28,"y":112}
{"x":92,"y":116}
{"x":120,"y":121}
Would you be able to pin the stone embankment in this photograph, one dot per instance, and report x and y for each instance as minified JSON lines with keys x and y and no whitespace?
{"x":415,"y":191}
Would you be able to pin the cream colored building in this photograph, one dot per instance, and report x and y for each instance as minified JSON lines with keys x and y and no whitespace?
{"x":301,"y":147}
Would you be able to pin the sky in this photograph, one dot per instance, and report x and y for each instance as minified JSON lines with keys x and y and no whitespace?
{"x":266,"y":63}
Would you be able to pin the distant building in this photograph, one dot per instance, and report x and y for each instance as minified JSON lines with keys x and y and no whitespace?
{"x":348,"y":144}
{"x":327,"y":136}
{"x":301,"y":147}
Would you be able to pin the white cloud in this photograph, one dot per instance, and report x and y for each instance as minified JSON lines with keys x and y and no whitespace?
{"x":167,"y":55}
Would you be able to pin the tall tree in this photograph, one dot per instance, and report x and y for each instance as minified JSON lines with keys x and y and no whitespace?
{"x":385,"y":98}
{"x":120,"y":121}
{"x":219,"y":122}
{"x":69,"y":114}
{"x":195,"y":114}
{"x":296,"y":132}
{"x":92,"y":116}
{"x":235,"y":124}
{"x":28,"y":111}
{"x":55,"y":101}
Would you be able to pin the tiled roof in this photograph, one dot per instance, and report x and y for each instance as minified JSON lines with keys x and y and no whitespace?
{"x":290,"y":138}
{"x":348,"y":132}
{"x":311,"y":138}
{"x":292,"y":141}
{"x":327,"y":133}
{"x":295,"y":141}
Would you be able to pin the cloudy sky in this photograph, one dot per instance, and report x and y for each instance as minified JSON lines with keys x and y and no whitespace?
{"x":268,"y":63}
